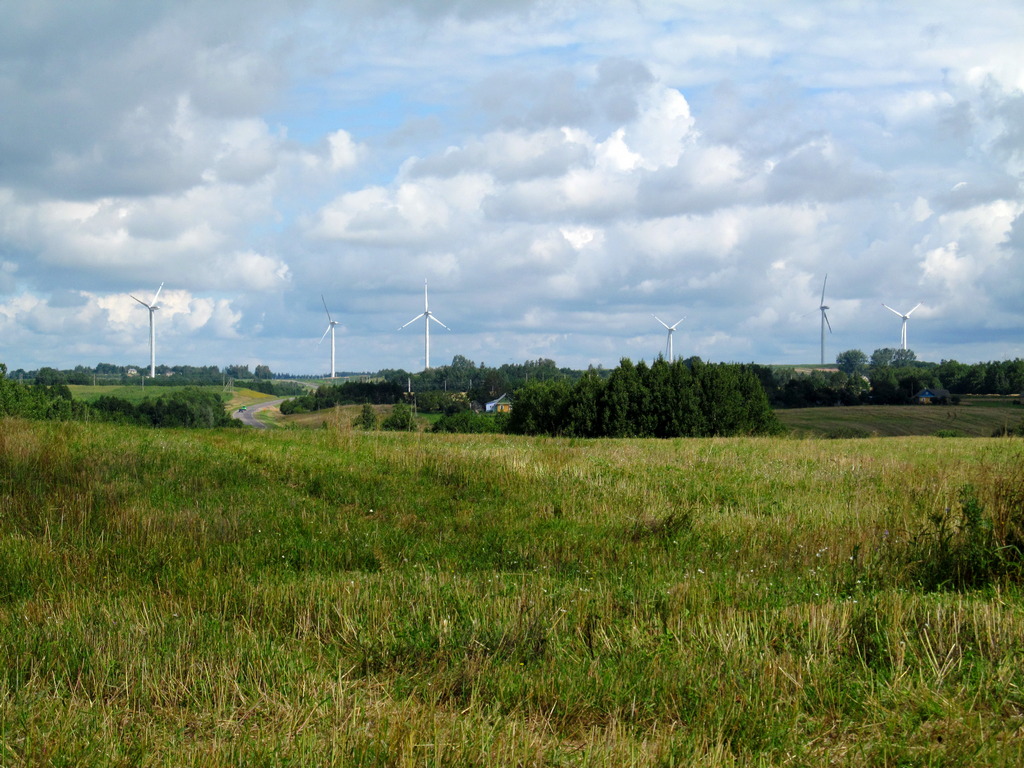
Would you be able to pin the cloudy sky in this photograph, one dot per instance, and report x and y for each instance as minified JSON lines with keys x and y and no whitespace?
{"x":558,"y":171}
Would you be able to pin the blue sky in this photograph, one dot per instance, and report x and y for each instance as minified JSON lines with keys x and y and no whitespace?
{"x":558,"y":171}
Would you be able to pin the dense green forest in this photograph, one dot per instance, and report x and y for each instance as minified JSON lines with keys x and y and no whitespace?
{"x":678,"y":399}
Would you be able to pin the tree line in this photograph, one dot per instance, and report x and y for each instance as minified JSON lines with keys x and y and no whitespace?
{"x":190,"y":407}
{"x":166,"y":375}
{"x":665,"y":399}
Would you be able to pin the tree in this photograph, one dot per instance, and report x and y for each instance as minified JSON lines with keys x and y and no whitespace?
{"x":263,"y":372}
{"x":884,"y":387}
{"x":882,"y":358}
{"x":903,"y":357}
{"x":852,"y":362}
{"x":238,"y":371}
{"x":46,"y":375}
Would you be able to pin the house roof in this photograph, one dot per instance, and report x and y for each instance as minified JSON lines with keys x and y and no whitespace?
{"x":503,"y":399}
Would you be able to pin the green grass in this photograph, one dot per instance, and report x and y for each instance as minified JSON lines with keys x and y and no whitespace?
{"x":970,"y":419}
{"x":329,"y":596}
{"x":130,"y":392}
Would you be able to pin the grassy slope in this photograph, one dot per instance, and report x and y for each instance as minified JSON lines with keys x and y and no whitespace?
{"x":132,"y":393}
{"x":971,"y":419}
{"x":235,"y":397}
{"x":334,"y":597}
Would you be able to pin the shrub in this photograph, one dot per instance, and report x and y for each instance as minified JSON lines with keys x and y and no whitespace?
{"x":400,"y":420}
{"x":367,"y":417}
{"x":466,"y":422}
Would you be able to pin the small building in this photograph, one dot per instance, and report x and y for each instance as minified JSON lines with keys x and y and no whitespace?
{"x":932,"y":396}
{"x":502,"y":405}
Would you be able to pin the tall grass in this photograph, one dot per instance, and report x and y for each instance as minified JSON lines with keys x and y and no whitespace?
{"x":349,"y":598}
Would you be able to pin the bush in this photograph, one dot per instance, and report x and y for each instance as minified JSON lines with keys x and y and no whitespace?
{"x":367,"y":417}
{"x":967,"y":549}
{"x":466,"y":422}
{"x":400,"y":420}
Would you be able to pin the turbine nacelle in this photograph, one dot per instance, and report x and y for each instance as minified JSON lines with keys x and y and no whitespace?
{"x":905,"y":317}
{"x":671,"y":329}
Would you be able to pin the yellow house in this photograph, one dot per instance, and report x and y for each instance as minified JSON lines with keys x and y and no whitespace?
{"x":502,"y":405}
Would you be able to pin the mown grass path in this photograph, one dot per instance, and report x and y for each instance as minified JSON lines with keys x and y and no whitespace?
{"x":332,"y":597}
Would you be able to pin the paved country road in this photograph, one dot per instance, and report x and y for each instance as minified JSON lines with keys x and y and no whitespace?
{"x":248,"y":416}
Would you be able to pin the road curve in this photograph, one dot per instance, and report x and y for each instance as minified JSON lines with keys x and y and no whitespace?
{"x":248,"y":416}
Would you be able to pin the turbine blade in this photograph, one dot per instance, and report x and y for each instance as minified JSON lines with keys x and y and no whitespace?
{"x":421,"y":314}
{"x":660,"y":320}
{"x":827,"y":322}
{"x":331,"y":319}
{"x":898,"y":314}
{"x":141,"y":302}
{"x":438,"y":321}
{"x":325,"y":335}
{"x":680,"y":320}
{"x":918,"y":305}
{"x":157,"y":294}
{"x":823,"y":288}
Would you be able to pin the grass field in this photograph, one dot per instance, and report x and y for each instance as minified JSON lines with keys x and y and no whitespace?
{"x":332,"y":597}
{"x":973,"y":418}
{"x":130,"y":392}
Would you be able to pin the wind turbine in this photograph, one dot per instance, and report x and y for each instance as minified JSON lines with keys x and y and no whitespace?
{"x":824,"y":319}
{"x":427,"y":316}
{"x":152,"y":307}
{"x":671,"y":329}
{"x":903,"y":330}
{"x":331,"y":322}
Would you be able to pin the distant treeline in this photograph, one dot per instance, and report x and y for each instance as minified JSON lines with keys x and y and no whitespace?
{"x":348,"y":393}
{"x":481,"y":383}
{"x":275,"y":388}
{"x":678,"y":399}
{"x":166,"y":375}
{"x":189,"y":407}
{"x":888,"y":377}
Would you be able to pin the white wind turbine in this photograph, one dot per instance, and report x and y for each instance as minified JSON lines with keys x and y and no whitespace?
{"x":903,"y":330}
{"x":427,"y":316}
{"x":671,"y":329}
{"x":331,"y":322}
{"x":824,"y":319}
{"x":152,"y":307}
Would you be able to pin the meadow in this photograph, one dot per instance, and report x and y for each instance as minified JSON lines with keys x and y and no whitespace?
{"x":335,"y":597}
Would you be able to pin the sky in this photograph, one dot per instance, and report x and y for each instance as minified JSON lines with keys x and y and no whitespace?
{"x":557,"y":172}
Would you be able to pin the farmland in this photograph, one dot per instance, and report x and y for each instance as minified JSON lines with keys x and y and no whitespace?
{"x":330,"y":596}
{"x":979,"y":417}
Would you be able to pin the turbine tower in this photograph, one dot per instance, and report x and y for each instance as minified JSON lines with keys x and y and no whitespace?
{"x":427,"y":316}
{"x":903,"y":330}
{"x":824,"y":319}
{"x":671,"y":329}
{"x":152,"y":307}
{"x":331,"y":322}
